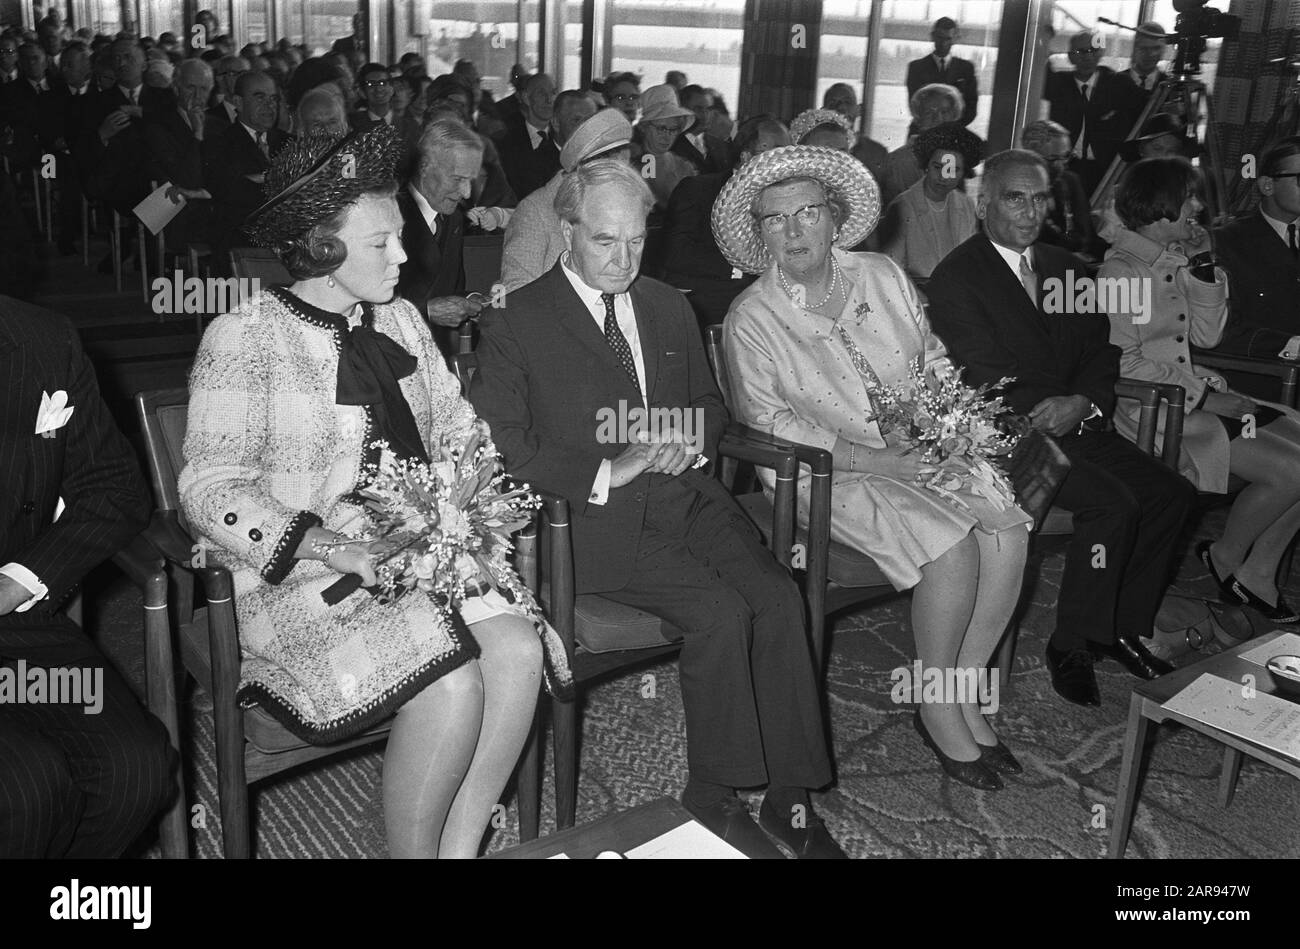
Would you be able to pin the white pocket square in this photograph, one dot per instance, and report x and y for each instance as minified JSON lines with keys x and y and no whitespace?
{"x":54,"y":413}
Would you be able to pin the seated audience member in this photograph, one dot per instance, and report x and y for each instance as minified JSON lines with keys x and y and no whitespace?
{"x":622,"y":91}
{"x":534,"y":241}
{"x":403,"y":93}
{"x":1261,"y":253}
{"x":76,"y":781}
{"x":320,"y":111}
{"x":174,"y":151}
{"x":412,"y":65}
{"x":318,"y":72}
{"x":463,"y":698}
{"x":433,"y":225}
{"x":1069,"y":220}
{"x":941,"y":66}
{"x":235,"y":162}
{"x":662,"y":121}
{"x":652,"y":530}
{"x":841,"y":98}
{"x":824,"y":127}
{"x":692,"y":260}
{"x":931,"y":105}
{"x":509,"y":108}
{"x":225,"y":73}
{"x":697,"y":144}
{"x":28,"y":107}
{"x":721,"y":126}
{"x":1158,"y":202}
{"x":677,"y":79}
{"x":529,"y":152}
{"x":928,"y":220}
{"x":804,"y":365}
{"x":1162,"y":136}
{"x":375,"y":87}
{"x":991,"y":301}
{"x":492,"y":187}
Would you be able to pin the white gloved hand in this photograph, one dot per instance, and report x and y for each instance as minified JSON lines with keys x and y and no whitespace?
{"x":489,"y":219}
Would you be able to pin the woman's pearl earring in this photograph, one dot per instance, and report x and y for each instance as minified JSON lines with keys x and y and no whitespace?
{"x":329,"y":281}
{"x":835,"y":236}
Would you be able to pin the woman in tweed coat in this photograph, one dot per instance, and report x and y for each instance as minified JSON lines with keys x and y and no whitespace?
{"x":288,"y":397}
{"x":1185,"y":306}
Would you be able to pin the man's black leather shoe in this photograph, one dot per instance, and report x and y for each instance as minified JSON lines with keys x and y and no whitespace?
{"x":730,"y":820}
{"x":1072,"y":675}
{"x":1133,"y":656}
{"x":812,"y":841}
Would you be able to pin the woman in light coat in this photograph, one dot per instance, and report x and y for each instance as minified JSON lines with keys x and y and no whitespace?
{"x":1174,"y":304}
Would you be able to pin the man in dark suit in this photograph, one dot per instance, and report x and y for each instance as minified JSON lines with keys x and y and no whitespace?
{"x":174,"y":150}
{"x":226,"y":71}
{"x":993,"y":301}
{"x":432,"y":277}
{"x":692,"y":259}
{"x":706,"y":152}
{"x":942,"y":66}
{"x":235,"y":161}
{"x":1091,"y":106}
{"x":650,"y":529}
{"x":529,"y":152}
{"x":8,"y":60}
{"x":80,"y":775}
{"x":1144,"y":73}
{"x":1261,"y":254}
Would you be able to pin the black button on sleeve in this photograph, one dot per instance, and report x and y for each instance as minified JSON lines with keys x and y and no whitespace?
{"x":255,"y":535}
{"x":230,"y":517}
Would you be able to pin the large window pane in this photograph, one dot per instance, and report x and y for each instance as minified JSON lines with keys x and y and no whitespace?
{"x":905,"y":36}
{"x":484,"y":31}
{"x":701,"y":39}
{"x":1073,"y":16}
{"x":322,"y":22}
{"x":843,"y":53}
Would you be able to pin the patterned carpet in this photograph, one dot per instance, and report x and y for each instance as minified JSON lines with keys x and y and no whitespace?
{"x":891,"y":799}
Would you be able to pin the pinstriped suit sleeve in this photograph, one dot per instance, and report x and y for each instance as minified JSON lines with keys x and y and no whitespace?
{"x":105,"y":498}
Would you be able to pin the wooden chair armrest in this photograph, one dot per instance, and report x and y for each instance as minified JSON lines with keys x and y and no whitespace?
{"x":175,"y":544}
{"x":1285,"y":370}
{"x":556,"y":512}
{"x":1150,"y":395}
{"x":145,"y":568}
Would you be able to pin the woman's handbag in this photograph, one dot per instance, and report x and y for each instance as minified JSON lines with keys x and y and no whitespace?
{"x":1187,"y":624}
{"x":1036,"y":467}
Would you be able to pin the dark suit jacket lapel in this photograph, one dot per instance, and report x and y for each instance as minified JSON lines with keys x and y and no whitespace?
{"x":577,"y":320}
{"x":1013,"y":291}
{"x":648,"y":329}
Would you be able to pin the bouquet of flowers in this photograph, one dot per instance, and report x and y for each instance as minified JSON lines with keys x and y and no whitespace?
{"x":447,"y":526}
{"x":959,"y":431}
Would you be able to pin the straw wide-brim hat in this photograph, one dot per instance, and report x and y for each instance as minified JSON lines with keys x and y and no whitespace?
{"x":736,"y":231}
{"x":659,"y":104}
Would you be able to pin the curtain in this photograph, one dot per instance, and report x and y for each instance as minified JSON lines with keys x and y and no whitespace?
{"x":779,"y":63}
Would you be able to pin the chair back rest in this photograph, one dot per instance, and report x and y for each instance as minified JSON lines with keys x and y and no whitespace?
{"x":481,"y":256}
{"x":465,"y":365}
{"x":260,"y":264}
{"x":163,"y":415}
{"x":718,"y":360}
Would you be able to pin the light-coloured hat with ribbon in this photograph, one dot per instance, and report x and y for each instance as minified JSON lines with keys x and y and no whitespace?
{"x":735,"y":228}
{"x":605,"y":131}
{"x":659,"y":104}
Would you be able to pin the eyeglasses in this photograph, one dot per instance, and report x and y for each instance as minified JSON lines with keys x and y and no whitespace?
{"x":1018,"y":200}
{"x":1283,"y":174}
{"x":625,"y":97}
{"x":372,"y":83}
{"x":808,"y":215}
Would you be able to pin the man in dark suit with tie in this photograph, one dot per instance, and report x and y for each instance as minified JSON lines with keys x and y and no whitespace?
{"x":1092,"y":107}
{"x":942,"y":66}
{"x":226,"y":71}
{"x":1261,"y":254}
{"x":80,"y":775}
{"x":994,"y":302}
{"x":529,"y":152}
{"x":174,"y":149}
{"x":235,"y":161}
{"x":650,"y":528}
{"x":708,"y":153}
{"x":432,"y":277}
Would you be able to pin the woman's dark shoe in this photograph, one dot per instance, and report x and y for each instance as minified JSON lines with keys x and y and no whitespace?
{"x":1281,"y":614}
{"x":1000,"y":758}
{"x":1224,"y":583}
{"x":975,"y":773}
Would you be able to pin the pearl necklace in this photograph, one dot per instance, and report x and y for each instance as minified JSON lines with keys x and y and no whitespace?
{"x":790,"y":291}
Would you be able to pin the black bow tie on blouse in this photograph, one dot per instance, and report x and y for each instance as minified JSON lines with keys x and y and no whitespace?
{"x":370,"y":365}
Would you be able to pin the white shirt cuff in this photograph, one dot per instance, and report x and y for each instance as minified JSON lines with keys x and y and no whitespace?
{"x":29,"y":581}
{"x":1292,"y":349}
{"x":600,"y":487}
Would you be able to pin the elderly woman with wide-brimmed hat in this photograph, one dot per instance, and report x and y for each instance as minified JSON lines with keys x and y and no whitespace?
{"x":293,"y":397}
{"x":662,"y":122}
{"x":807,"y":346}
{"x":924,"y":223}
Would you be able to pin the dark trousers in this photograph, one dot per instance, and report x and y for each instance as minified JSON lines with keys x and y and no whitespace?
{"x":74,"y":784}
{"x":1129,"y":509}
{"x":753,"y":712}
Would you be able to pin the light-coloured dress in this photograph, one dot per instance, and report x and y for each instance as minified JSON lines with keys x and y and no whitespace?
{"x":792,"y":376}
{"x":920,"y":235}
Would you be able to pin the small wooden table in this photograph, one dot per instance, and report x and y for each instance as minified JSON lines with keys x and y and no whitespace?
{"x":620,"y":832}
{"x":1145,"y":707}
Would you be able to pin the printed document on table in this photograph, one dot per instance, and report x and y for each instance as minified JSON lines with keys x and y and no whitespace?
{"x":1264,"y":719}
{"x":690,"y":841}
{"x":1288,"y":644}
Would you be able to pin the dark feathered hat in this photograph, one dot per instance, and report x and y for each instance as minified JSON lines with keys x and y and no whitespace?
{"x":949,"y":137}
{"x":314,"y":178}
